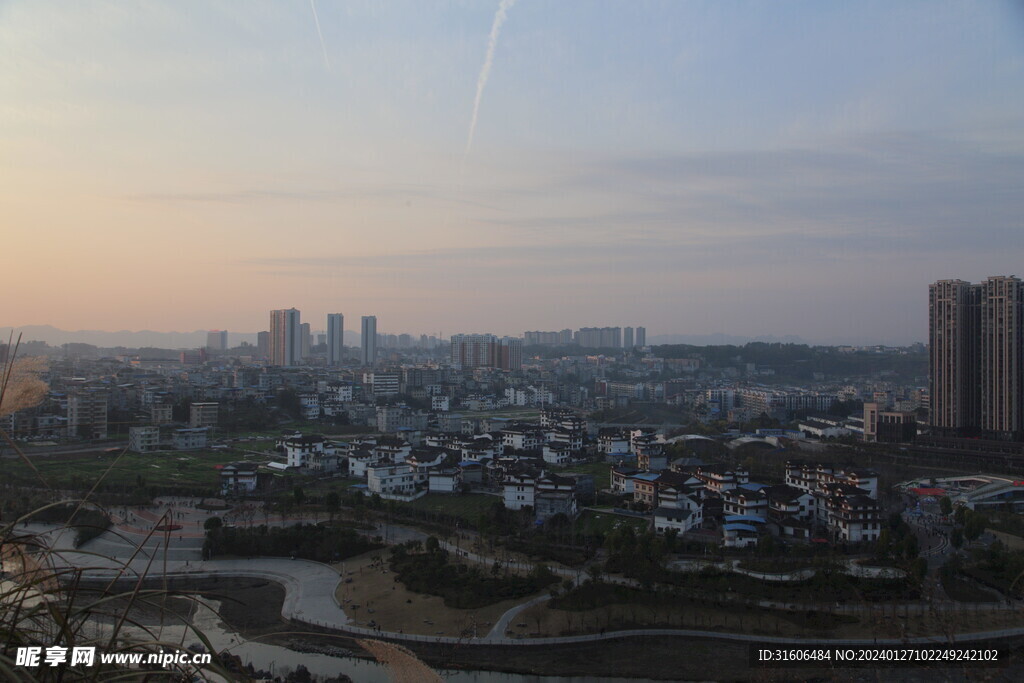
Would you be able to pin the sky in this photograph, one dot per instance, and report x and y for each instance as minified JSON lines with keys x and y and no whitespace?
{"x":749,"y":168}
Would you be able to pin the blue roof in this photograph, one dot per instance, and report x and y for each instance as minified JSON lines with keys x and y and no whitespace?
{"x":359,"y":486}
{"x":646,"y":476}
{"x":469,"y":462}
{"x":752,"y":486}
{"x":739,"y":527}
{"x":743,"y":518}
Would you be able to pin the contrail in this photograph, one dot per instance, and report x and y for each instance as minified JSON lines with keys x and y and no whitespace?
{"x":485,"y":70}
{"x":316,"y":20}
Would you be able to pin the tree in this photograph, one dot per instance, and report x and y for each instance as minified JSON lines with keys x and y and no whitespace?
{"x":212,"y":523}
{"x":957,"y":538}
{"x":974,"y":526}
{"x":432,"y":545}
{"x":945,"y":505}
{"x":289,"y":402}
{"x":299,"y":495}
{"x":671,"y":536}
{"x":333,"y":502}
{"x":883,"y":546}
{"x":911,"y":548}
{"x":919,"y":568}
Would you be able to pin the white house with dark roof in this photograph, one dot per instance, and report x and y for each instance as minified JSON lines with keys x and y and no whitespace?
{"x":844,"y":500}
{"x":444,"y":480}
{"x":300,"y":449}
{"x":238,"y":478}
{"x":394,"y":482}
{"x":791,"y":511}
{"x":613,"y":441}
{"x":680,"y":519}
{"x":557,"y":454}
{"x":519,"y":490}
{"x":746,"y":500}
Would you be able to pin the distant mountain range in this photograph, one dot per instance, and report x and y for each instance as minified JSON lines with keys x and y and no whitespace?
{"x":720,"y":339}
{"x":134,"y":339}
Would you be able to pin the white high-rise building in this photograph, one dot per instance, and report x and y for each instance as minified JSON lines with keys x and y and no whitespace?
{"x":641,"y":336}
{"x":369,"y":340}
{"x":285,"y":337}
{"x":335,"y":338}
{"x":627,"y":337}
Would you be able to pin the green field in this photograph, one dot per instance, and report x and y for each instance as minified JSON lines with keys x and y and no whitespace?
{"x":591,"y":522}
{"x":469,"y":507}
{"x":599,"y":470}
{"x":168,"y":468}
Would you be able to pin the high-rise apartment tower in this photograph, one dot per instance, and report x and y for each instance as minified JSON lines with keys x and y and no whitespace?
{"x":369,"y":340}
{"x":335,"y":338}
{"x":976,"y":356}
{"x":285,"y":337}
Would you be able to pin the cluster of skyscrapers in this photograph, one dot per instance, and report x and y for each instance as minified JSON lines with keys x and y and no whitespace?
{"x":289,"y":339}
{"x":486,"y":351}
{"x":590,"y":337}
{"x":976,"y":359}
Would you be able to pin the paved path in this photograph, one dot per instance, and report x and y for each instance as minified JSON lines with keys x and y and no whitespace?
{"x":851,"y":567}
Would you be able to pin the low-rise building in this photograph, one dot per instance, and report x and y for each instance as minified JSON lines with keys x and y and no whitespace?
{"x":518,"y":490}
{"x":143,"y":439}
{"x":557,"y":454}
{"x":679,"y":519}
{"x":613,"y":441}
{"x":203,"y":414}
{"x":394,"y":482}
{"x":747,"y":500}
{"x":189,"y":439}
{"x":238,"y":478}
{"x":445,"y":480}
{"x":622,"y":481}
{"x":300,"y":449}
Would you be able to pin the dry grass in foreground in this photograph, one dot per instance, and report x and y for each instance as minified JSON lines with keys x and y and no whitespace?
{"x":403,"y":665}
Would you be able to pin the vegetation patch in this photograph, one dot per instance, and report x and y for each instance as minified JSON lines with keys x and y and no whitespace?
{"x":775,"y":565}
{"x":169,"y":473}
{"x":88,"y":523}
{"x":657,"y":608}
{"x":462,"y":586}
{"x":960,"y":589}
{"x":308,"y":541}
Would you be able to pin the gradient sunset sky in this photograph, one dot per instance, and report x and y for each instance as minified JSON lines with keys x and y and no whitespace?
{"x":782,"y":168}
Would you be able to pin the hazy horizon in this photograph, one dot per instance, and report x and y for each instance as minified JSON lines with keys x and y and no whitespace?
{"x":191,"y":339}
{"x":798,"y":169}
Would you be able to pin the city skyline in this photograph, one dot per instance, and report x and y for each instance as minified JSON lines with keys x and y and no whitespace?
{"x":797,"y":170}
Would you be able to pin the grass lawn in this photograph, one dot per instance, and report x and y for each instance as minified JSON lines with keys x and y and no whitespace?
{"x":960,"y":589}
{"x":599,"y":470}
{"x":167,"y":468}
{"x":592,"y":522}
{"x":325,"y":486}
{"x":469,"y":507}
{"x":256,"y":445}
